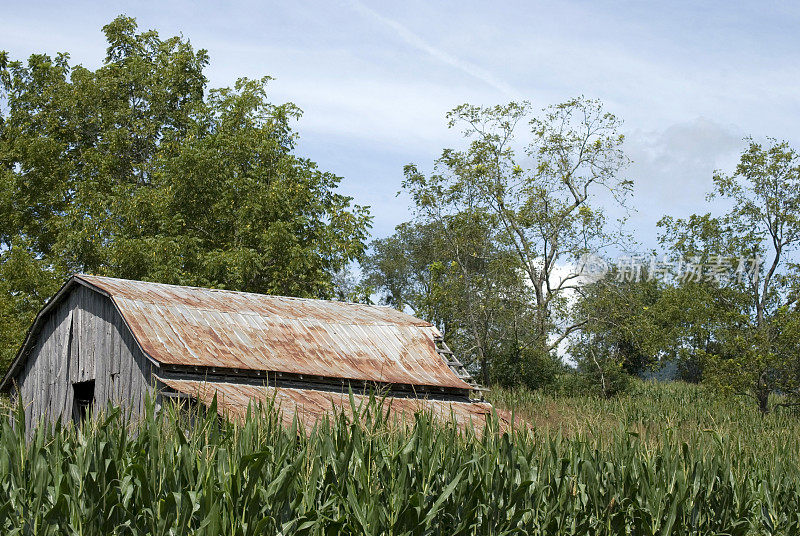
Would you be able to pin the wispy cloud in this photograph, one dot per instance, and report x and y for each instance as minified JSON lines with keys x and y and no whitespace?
{"x":418,"y":42}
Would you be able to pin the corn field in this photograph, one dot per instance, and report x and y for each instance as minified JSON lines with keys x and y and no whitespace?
{"x":654,"y":462}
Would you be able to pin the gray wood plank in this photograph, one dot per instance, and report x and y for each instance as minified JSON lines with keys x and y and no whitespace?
{"x":98,"y":343}
{"x":63,"y":369}
{"x":126,"y":372}
{"x":74,"y":361}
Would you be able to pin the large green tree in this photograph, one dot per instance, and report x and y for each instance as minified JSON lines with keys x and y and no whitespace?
{"x":746,"y":311}
{"x":538,"y":188}
{"x":138,"y":170}
{"x":513,"y":208}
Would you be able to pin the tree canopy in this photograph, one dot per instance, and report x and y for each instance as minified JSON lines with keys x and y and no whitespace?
{"x":512,"y":207}
{"x":138,"y":170}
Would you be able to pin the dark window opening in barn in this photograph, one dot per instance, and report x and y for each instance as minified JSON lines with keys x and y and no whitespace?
{"x":83,"y":398}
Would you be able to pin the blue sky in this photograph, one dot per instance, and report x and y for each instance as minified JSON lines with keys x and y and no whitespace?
{"x":690,"y":79}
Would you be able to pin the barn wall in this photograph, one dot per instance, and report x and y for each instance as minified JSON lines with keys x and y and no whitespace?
{"x":82,"y":338}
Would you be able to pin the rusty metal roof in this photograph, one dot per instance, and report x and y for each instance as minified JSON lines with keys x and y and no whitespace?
{"x":310,"y":405}
{"x":220,"y":328}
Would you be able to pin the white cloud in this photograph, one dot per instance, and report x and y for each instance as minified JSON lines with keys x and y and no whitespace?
{"x":673,"y":168}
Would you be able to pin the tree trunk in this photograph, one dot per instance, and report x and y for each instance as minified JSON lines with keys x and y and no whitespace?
{"x":600,"y":370}
{"x":762,"y":395}
{"x":763,"y":402}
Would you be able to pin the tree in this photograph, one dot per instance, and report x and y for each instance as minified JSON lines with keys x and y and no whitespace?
{"x":451,"y":273}
{"x":750,"y":354}
{"x":702,"y":307}
{"x":401,"y":268}
{"x":542,"y":204}
{"x":625,"y":332}
{"x":137,"y":170}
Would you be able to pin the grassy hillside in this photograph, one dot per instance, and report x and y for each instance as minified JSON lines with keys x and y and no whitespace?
{"x":666,"y":459}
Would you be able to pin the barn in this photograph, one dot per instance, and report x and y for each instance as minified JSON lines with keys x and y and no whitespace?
{"x":103,"y":340}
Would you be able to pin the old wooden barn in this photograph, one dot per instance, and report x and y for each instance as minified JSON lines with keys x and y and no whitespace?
{"x":102,"y":340}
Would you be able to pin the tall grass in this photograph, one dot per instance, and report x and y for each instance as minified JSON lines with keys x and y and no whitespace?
{"x":637,"y":465}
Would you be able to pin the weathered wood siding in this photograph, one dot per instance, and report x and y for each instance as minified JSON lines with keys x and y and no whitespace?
{"x":82,"y":338}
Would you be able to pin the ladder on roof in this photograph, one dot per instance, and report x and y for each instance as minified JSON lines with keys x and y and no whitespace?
{"x":458,"y":367}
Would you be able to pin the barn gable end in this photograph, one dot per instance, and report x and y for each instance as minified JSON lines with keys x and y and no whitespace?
{"x":79,"y":338}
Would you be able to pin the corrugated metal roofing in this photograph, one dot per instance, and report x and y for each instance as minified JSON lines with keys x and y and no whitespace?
{"x":219,"y":328}
{"x":309,"y":405}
